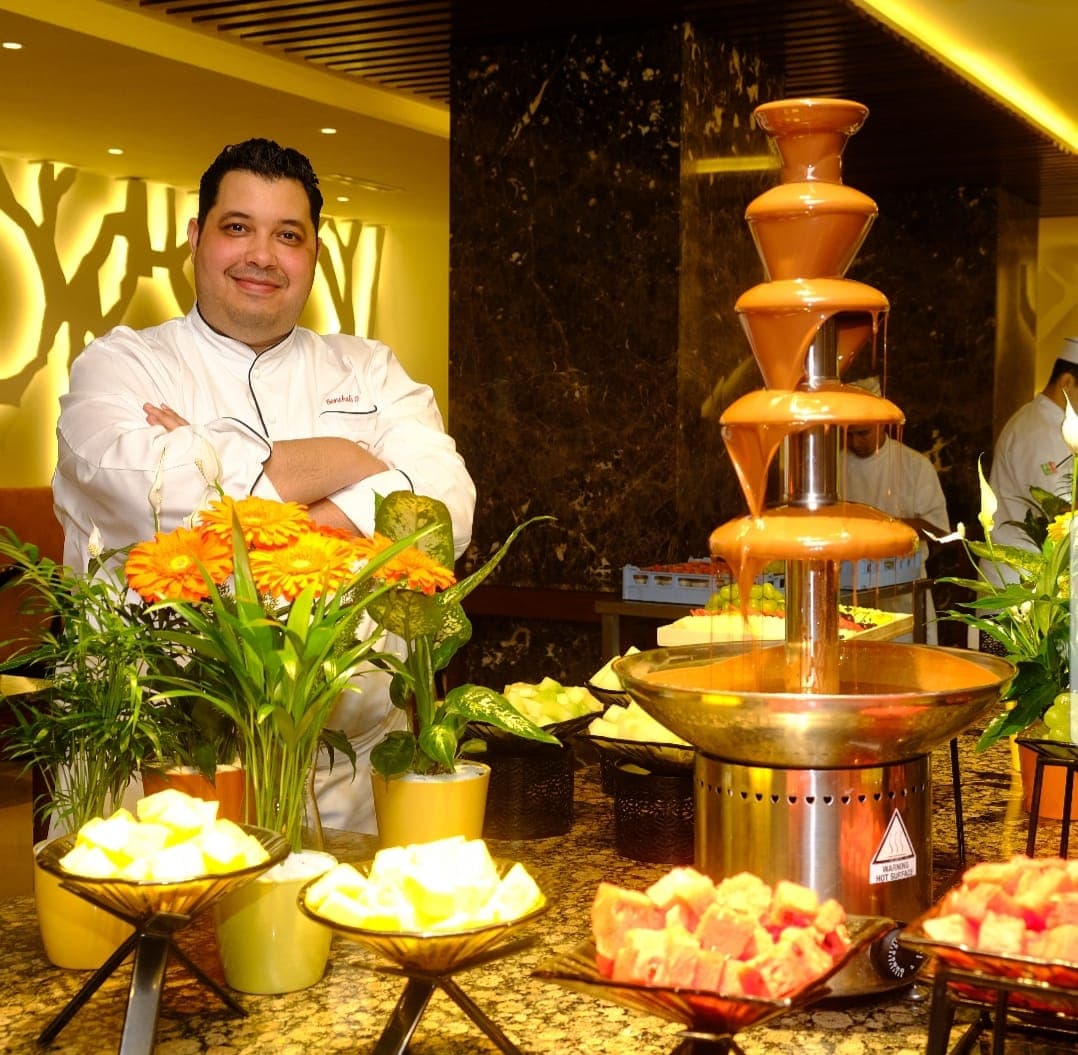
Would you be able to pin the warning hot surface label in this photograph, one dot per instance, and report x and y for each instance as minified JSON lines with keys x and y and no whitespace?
{"x":895,"y":857}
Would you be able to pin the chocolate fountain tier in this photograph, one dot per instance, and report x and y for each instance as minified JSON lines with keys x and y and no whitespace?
{"x":811,"y":134}
{"x":836,"y":404}
{"x":809,"y":228}
{"x":842,"y":531}
{"x":895,"y":702}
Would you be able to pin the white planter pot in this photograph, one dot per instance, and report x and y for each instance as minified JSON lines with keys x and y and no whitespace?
{"x":266,"y":944}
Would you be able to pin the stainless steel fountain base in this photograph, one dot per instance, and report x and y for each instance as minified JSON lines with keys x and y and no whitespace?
{"x":862,"y":836}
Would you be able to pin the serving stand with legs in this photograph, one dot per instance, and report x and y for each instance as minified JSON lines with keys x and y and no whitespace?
{"x":157,"y":911}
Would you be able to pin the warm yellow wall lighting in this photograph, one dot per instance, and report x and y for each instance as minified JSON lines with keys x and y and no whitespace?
{"x":982,"y":69}
{"x":747,"y":163}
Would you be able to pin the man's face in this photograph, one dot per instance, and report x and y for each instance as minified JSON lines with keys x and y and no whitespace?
{"x":863,"y":440}
{"x":254,"y":258}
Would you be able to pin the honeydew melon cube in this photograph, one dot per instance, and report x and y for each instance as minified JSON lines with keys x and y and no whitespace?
{"x":173,"y":808}
{"x":226,"y":847}
{"x":90,"y":861}
{"x":177,"y":863}
{"x":516,"y":894}
{"x":110,"y":834}
{"x":602,"y":727}
{"x":138,"y":870}
{"x":145,"y":840}
{"x":346,"y":879}
{"x":341,"y":908}
{"x":390,"y":864}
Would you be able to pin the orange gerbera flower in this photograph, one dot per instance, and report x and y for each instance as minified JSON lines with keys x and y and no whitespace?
{"x":313,"y":560}
{"x":418,"y":571}
{"x":265,"y":523}
{"x":170,"y":566}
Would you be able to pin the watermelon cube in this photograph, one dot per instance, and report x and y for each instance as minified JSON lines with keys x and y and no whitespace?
{"x":729,"y":935}
{"x":615,"y":912}
{"x":1002,"y":934}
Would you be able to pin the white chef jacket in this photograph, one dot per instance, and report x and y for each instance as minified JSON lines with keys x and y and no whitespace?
{"x":902,"y":483}
{"x":308,"y":385}
{"x":1030,"y":452}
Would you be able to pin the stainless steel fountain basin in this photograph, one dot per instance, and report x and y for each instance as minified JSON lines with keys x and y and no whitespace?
{"x":895,"y":701}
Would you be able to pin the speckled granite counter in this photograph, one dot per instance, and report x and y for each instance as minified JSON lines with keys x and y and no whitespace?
{"x":349,"y":1008}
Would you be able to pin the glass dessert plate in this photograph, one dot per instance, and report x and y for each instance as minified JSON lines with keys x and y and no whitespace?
{"x":700,"y":1010}
{"x":1043,"y":985}
{"x":429,"y":951}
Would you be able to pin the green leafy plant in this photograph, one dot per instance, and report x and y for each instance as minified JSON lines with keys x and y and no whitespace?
{"x":1024,"y":606}
{"x":272,"y":643}
{"x":94,"y":726}
{"x":424,"y":609}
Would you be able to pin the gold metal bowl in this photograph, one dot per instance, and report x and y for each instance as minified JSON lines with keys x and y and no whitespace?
{"x":696,"y":1008}
{"x":135,"y":899}
{"x":429,"y":951}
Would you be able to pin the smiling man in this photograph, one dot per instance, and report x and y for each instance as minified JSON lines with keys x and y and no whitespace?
{"x":326,"y":420}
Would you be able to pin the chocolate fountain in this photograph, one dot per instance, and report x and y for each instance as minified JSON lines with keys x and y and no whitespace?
{"x":812,"y":758}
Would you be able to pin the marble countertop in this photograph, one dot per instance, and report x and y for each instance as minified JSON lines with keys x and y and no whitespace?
{"x":348,"y":1010}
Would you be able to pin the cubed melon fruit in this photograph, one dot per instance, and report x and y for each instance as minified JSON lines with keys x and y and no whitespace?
{"x":177,"y":810}
{"x":175,"y":864}
{"x":90,"y":861}
{"x":516,"y":894}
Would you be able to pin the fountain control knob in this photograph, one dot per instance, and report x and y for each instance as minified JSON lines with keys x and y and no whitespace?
{"x":892,"y":960}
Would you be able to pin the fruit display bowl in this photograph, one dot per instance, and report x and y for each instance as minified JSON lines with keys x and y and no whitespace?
{"x":609,"y":697}
{"x":429,"y":951}
{"x":699,"y":1010}
{"x":656,"y":757}
{"x":141,"y":899}
{"x":1039,"y":984}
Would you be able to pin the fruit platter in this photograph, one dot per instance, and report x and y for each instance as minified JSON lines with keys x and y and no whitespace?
{"x":173,"y":856}
{"x":428,"y":907}
{"x":766,"y":621}
{"x":433,"y":909}
{"x":1015,"y":920}
{"x":627,"y":733}
{"x":156,"y":869}
{"x":716,"y":958}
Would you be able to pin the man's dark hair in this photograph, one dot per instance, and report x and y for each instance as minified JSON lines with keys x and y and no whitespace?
{"x":265,"y":158}
{"x":1061,"y":367}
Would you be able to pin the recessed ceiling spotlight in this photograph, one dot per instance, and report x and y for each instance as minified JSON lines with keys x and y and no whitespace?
{"x":343,"y":197}
{"x":328,"y":131}
{"x":11,"y":45}
{"x":116,"y":150}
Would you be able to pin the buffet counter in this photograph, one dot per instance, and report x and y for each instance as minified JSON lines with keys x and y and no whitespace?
{"x":348,"y":1010}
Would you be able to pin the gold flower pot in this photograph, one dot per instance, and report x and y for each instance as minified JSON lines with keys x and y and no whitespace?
{"x":419,"y":808}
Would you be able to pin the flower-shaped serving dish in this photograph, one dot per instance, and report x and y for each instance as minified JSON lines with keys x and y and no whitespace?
{"x":499,"y":738}
{"x":140,"y":900}
{"x":652,"y":755}
{"x":699,"y":1009}
{"x":1031,"y":972}
{"x":429,"y":951}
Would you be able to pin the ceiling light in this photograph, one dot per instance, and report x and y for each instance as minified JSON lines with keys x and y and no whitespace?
{"x":328,"y":131}
{"x":978,"y":67}
{"x":11,"y":45}
{"x":343,"y":197}
{"x":116,"y":150}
